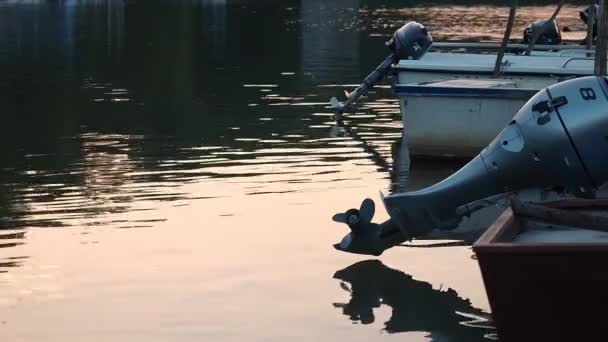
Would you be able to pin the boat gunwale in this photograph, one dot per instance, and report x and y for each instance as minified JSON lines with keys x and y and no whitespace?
{"x":486,"y":70}
{"x":469,"y":62}
{"x":427,"y":89}
{"x":497,"y":238}
{"x":492,"y":45}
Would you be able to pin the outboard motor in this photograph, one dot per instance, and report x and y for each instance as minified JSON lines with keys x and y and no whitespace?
{"x":584,"y":15}
{"x":411,"y":41}
{"x":558,"y":140}
{"x":548,"y":31}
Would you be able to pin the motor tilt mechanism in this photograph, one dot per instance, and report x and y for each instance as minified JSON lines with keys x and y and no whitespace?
{"x":558,"y":140}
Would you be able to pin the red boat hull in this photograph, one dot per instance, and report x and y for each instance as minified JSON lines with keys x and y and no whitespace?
{"x":543,"y":291}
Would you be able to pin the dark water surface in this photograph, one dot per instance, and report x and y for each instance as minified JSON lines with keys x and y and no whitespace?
{"x":169,"y":171}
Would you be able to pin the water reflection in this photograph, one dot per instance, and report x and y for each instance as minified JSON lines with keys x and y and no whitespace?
{"x":415,"y":305}
{"x":9,"y":239}
{"x":129,"y":101}
{"x":456,"y":21}
{"x":328,"y":34}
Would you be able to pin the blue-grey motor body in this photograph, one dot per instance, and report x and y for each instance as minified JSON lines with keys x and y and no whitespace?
{"x":558,"y":140}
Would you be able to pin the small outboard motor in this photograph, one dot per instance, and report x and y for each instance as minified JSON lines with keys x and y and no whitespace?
{"x":411,"y":41}
{"x":548,"y":31}
{"x":558,"y":140}
{"x":584,"y":15}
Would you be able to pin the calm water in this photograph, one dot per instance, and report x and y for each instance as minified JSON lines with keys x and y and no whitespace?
{"x":169,"y":171}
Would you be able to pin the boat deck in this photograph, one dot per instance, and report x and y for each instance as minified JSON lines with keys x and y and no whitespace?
{"x":512,"y":64}
{"x":538,"y":232}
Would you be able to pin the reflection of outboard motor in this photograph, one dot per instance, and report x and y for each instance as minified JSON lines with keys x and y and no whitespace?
{"x":415,"y":304}
{"x":411,"y":41}
{"x":558,"y":140}
{"x":548,"y":31}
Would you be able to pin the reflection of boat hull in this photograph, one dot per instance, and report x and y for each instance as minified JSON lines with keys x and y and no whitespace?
{"x":452,"y":107}
{"x":545,"y":287}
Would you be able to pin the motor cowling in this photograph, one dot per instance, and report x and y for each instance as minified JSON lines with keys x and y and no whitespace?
{"x":549,"y":32}
{"x":411,"y":41}
{"x":557,"y":140}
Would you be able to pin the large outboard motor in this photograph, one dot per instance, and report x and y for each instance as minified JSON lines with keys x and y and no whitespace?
{"x":411,"y":41}
{"x":558,"y":140}
{"x":547,"y":30}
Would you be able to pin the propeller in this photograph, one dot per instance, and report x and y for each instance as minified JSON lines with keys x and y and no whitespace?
{"x":357,"y":219}
{"x":337,"y":107}
{"x":364,"y":236}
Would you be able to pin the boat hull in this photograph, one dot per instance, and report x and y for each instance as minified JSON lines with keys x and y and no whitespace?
{"x":541,"y":291}
{"x":459,"y":123}
{"x":456,"y":121}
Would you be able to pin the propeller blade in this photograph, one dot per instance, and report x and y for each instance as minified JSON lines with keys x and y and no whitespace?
{"x":367,"y":210}
{"x":382,"y":198}
{"x":345,"y":287}
{"x":340,"y":218}
{"x":334,"y":103}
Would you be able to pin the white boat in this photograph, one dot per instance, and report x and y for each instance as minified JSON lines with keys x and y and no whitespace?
{"x":458,"y":93}
{"x":453,"y":104}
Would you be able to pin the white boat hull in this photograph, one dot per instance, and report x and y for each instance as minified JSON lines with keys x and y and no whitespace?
{"x":457,"y":119}
{"x":460,"y":120}
{"x":454,"y":127}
